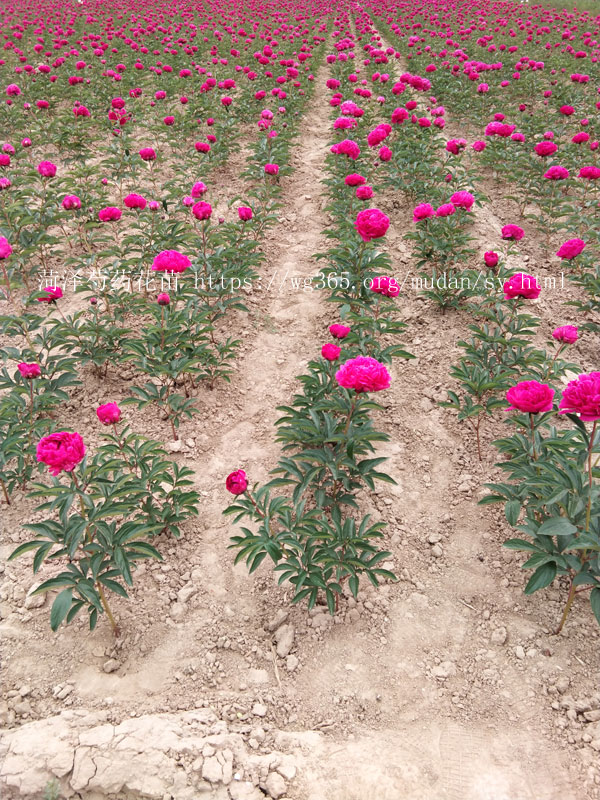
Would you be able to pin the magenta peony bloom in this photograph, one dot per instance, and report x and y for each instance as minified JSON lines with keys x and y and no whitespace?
{"x":513,"y":232}
{"x":491,"y":259}
{"x":582,"y":396}
{"x":371,"y":224}
{"x":61,"y":451}
{"x":12,"y":90}
{"x":202,"y":210}
{"x":363,"y":374}
{"x":134,"y":201}
{"x":71,"y":202}
{"x":364,"y":192}
{"x":245,"y":213}
{"x":170,"y":261}
{"x":462,"y":200}
{"x":5,"y":248}
{"x":236,"y":482}
{"x":590,"y":173}
{"x":566,"y":334}
{"x":163,"y":299}
{"x":29,"y":371}
{"x":530,"y":397}
{"x":354,"y":179}
{"x":109,"y":413}
{"x":271,"y":169}
{"x":544,"y":149}
{"x":571,"y":249}
{"x":202,"y":147}
{"x":339,"y":331}
{"x":147,"y":154}
{"x":331,"y":352}
{"x":385,"y":285}
{"x":423,"y":211}
{"x":347,"y":147}
{"x":53,"y":293}
{"x":47,"y":169}
{"x":567,"y":110}
{"x":556,"y":173}
{"x":478,"y":146}
{"x":445,"y":210}
{"x":109,"y":214}
{"x":521,"y":285}
{"x":198,"y":189}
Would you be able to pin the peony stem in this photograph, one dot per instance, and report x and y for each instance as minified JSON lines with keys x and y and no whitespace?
{"x":115,"y":628}
{"x":5,"y":491}
{"x":532,"y":420}
{"x":568,"y":606}
{"x":590,"y":474}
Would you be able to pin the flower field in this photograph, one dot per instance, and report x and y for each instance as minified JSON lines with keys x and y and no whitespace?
{"x":299,"y":400}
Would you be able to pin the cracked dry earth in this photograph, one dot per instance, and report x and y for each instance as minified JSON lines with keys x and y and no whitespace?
{"x":446,"y":685}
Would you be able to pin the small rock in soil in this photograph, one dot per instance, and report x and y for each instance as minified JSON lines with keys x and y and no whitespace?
{"x":275,"y":785}
{"x":285,"y":639}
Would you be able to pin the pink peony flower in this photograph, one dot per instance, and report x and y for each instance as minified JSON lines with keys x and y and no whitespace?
{"x":147,"y":154}
{"x":339,"y":331}
{"x":445,"y":210}
{"x":5,"y":248}
{"x":371,"y":224}
{"x":134,"y":201}
{"x":202,"y":147}
{"x":530,"y":397}
{"x":478,"y":146}
{"x":354,"y":179}
{"x":363,"y":374}
{"x":513,"y":232}
{"x":71,"y":202}
{"x":236,"y":482}
{"x":385,"y":285}
{"x":566,"y":334}
{"x":245,"y":213}
{"x":462,"y":200}
{"x":521,"y":285}
{"x":171,"y":261}
{"x":271,"y":169}
{"x":53,"y":293}
{"x":163,"y":299}
{"x":364,"y":192}
{"x":544,"y":149}
{"x":47,"y":169}
{"x":198,"y":189}
{"x":590,"y":173}
{"x":491,"y":258}
{"x":331,"y":352}
{"x":61,"y":451}
{"x":202,"y":210}
{"x":347,"y":147}
{"x":582,"y":396}
{"x":109,"y":214}
{"x":556,"y":173}
{"x":109,"y":413}
{"x":423,"y":211}
{"x":571,"y":249}
{"x":29,"y":371}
